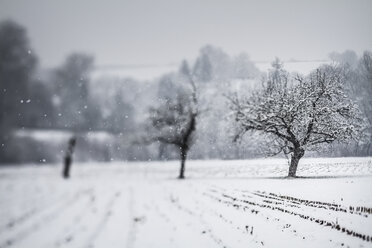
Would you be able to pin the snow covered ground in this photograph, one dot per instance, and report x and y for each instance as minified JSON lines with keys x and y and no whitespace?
{"x":220,"y":204}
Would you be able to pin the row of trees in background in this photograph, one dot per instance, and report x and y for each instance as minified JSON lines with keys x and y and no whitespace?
{"x":55,"y":99}
{"x":66,"y":98}
{"x":190,"y":113}
{"x":292,"y":113}
{"x":359,"y":88}
{"x":59,"y":98}
{"x":17,"y":64}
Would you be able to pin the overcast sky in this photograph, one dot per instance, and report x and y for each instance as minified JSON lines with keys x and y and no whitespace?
{"x":159,"y":32}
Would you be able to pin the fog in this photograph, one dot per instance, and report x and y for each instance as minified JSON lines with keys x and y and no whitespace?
{"x":174,"y":123}
{"x":162,"y":32}
{"x":109,"y":72}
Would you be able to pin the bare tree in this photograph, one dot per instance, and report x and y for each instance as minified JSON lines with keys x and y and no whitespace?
{"x":71,"y":81}
{"x":174,"y":120}
{"x":301,"y":114}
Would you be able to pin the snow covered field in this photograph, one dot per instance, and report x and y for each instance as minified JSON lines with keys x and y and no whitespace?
{"x":220,"y":204}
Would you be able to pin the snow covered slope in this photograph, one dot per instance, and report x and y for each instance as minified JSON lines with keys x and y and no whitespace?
{"x":220,"y":204}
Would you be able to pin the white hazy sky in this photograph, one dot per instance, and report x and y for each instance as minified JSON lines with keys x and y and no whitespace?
{"x":159,"y":32}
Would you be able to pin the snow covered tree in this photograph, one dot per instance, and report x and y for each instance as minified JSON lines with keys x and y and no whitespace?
{"x":120,"y":119}
{"x":348,"y":57}
{"x":203,"y":68}
{"x":358,"y":73}
{"x":300,"y":114}
{"x":243,"y":67}
{"x":174,"y":120}
{"x":72,"y":90}
{"x":17,"y":65}
{"x":363,"y":93}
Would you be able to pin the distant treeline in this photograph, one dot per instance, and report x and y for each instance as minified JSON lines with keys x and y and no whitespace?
{"x":108,"y":114}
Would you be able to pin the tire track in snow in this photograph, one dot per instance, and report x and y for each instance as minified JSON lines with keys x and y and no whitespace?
{"x":254,"y":211}
{"x":175,"y":202}
{"x":244,"y":230}
{"x":243,"y":203}
{"x":43,"y":220}
{"x":68,"y":236}
{"x":358,"y":210}
{"x":107,"y":213}
{"x":133,"y":226}
{"x":15,"y":222}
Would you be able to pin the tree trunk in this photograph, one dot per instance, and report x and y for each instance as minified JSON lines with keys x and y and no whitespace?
{"x":297,"y":155}
{"x":66,"y":168}
{"x":183,"y":153}
{"x":68,"y":157}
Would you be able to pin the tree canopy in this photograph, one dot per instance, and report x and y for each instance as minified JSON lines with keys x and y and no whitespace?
{"x":300,"y":114}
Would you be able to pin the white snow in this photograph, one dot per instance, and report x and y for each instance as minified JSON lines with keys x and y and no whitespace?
{"x":59,"y":136}
{"x":43,"y":135}
{"x":220,"y":204}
